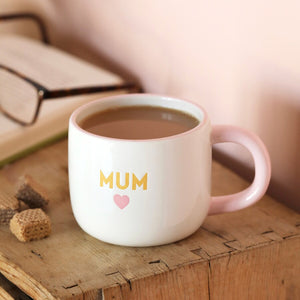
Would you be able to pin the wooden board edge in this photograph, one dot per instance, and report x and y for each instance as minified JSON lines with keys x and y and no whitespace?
{"x":202,"y":279}
{"x":23,"y":281}
{"x":4,"y":295}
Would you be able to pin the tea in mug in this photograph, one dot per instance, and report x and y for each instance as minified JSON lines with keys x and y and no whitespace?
{"x":139,"y":122}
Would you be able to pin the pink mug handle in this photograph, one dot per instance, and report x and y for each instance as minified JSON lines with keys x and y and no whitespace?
{"x":228,"y":203}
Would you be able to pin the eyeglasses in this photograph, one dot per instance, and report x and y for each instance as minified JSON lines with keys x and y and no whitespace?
{"x":21,"y":97}
{"x":31,"y":17}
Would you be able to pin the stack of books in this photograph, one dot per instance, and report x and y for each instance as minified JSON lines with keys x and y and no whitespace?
{"x":55,"y":70}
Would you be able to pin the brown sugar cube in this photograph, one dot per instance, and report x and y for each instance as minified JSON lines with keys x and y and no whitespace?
{"x":30,"y":224}
{"x":8,"y":207}
{"x":31,"y":192}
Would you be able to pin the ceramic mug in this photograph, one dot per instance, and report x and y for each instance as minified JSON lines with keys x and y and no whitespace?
{"x":153,"y":191}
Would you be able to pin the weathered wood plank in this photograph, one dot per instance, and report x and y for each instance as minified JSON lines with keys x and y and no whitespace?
{"x":268,"y":272}
{"x":9,"y":291}
{"x":248,"y":252}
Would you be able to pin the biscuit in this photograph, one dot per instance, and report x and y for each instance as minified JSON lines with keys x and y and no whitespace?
{"x":30,"y":224}
{"x":31,"y":192}
{"x":8,"y":207}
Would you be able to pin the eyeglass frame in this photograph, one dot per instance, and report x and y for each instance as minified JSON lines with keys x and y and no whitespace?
{"x":32,"y":17}
{"x":42,"y":92}
{"x":45,"y":94}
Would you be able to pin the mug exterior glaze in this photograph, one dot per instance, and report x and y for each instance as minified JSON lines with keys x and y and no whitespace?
{"x":155,"y":191}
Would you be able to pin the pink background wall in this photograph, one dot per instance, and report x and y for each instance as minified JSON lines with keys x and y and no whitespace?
{"x":240,"y":60}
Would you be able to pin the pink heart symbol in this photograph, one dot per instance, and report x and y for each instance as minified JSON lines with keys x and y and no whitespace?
{"x":121,"y":201}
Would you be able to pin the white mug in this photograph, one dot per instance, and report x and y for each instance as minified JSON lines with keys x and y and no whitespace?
{"x":153,"y":191}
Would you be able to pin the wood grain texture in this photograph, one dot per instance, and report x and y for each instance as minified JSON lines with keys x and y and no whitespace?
{"x":250,"y":254}
{"x":9,"y":291}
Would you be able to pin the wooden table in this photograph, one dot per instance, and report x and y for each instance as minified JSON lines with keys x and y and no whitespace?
{"x":250,"y":254}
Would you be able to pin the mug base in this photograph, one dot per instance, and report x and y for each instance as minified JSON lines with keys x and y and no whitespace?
{"x":134,"y":243}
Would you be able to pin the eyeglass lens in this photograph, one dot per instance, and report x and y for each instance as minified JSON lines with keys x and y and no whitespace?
{"x":18,"y":98}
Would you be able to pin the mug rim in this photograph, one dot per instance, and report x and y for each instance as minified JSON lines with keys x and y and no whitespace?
{"x":84,"y":107}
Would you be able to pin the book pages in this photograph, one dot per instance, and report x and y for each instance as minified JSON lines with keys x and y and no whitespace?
{"x":50,"y":66}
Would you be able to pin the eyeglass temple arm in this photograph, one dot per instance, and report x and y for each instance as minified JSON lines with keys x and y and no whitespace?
{"x":89,"y":90}
{"x":32,"y":17}
{"x":48,"y":95}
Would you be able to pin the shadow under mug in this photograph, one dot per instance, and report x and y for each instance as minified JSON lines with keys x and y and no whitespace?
{"x":154,"y":191}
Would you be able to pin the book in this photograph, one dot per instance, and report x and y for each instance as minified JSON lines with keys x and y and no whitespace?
{"x":53,"y":69}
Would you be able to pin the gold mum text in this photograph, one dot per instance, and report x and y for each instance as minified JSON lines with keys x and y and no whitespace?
{"x":114,"y":179}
